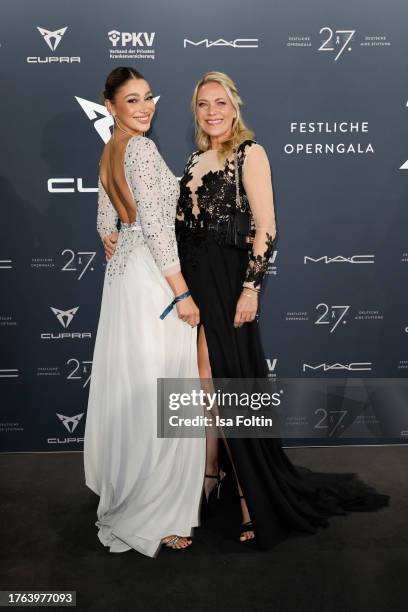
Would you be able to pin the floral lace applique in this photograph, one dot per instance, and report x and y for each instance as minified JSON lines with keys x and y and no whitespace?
{"x":216,"y":197}
{"x":258,"y":263}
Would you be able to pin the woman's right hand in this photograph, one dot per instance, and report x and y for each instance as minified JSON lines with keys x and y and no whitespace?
{"x":188,"y":312}
{"x":109,"y":244}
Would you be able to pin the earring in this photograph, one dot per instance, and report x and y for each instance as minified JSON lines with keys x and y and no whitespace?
{"x":117,"y":123}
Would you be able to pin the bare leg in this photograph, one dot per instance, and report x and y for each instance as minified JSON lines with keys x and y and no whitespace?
{"x":204,"y":369}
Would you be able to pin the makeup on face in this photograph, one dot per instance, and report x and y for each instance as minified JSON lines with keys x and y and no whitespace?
{"x":215,"y":111}
{"x":134,"y":105}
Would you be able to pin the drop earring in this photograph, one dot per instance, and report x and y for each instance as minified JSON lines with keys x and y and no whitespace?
{"x":113,"y":129}
{"x":116,"y":120}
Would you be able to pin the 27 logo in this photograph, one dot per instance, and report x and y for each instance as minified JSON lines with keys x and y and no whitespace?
{"x":332,"y":315}
{"x":337,"y":41}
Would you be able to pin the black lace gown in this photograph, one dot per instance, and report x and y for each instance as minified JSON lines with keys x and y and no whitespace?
{"x":281,"y":497}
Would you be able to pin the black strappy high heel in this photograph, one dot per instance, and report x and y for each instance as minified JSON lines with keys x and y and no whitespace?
{"x":248,"y":526}
{"x":219,"y":477}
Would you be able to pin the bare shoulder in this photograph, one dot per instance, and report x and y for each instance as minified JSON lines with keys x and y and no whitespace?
{"x":255,"y":154}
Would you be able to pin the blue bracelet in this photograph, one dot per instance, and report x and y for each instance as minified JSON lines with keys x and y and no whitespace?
{"x":171,"y":305}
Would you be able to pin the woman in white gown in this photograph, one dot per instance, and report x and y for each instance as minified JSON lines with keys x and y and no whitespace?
{"x":149,"y":487}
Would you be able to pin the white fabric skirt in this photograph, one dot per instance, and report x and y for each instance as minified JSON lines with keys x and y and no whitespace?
{"x":149,"y":487}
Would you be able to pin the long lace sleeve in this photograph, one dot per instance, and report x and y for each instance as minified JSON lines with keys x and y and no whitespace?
{"x":107,"y":217}
{"x":146,"y":167}
{"x":257,"y":182}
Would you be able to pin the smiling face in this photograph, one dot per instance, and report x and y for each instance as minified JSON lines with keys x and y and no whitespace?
{"x":215,"y":112}
{"x":133,"y":105}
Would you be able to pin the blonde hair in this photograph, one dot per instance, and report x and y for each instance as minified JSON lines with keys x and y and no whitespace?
{"x":239,"y":131}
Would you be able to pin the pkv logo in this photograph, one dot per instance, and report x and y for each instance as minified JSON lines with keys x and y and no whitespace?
{"x":135,"y":39}
{"x":238,"y":43}
{"x":65,"y":318}
{"x":131,"y":45}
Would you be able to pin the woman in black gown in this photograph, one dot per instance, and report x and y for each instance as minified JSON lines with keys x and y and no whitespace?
{"x":276,"y":496}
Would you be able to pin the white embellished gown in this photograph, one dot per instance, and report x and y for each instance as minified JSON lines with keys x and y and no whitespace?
{"x":149,"y":487}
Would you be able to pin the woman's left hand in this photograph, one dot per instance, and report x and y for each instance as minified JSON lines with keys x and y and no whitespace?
{"x":109,"y":244}
{"x":247,"y":307}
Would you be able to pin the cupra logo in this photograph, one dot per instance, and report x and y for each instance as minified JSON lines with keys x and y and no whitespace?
{"x":52,"y":39}
{"x":70,"y":423}
{"x":64,"y":316}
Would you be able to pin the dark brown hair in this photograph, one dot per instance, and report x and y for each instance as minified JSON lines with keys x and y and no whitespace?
{"x":118,"y":77}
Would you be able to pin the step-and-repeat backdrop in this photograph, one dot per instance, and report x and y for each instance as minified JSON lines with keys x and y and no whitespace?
{"x":325,"y":90}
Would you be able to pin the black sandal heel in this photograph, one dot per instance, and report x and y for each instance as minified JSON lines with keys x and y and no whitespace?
{"x":219,"y":477}
{"x":248,"y":526}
